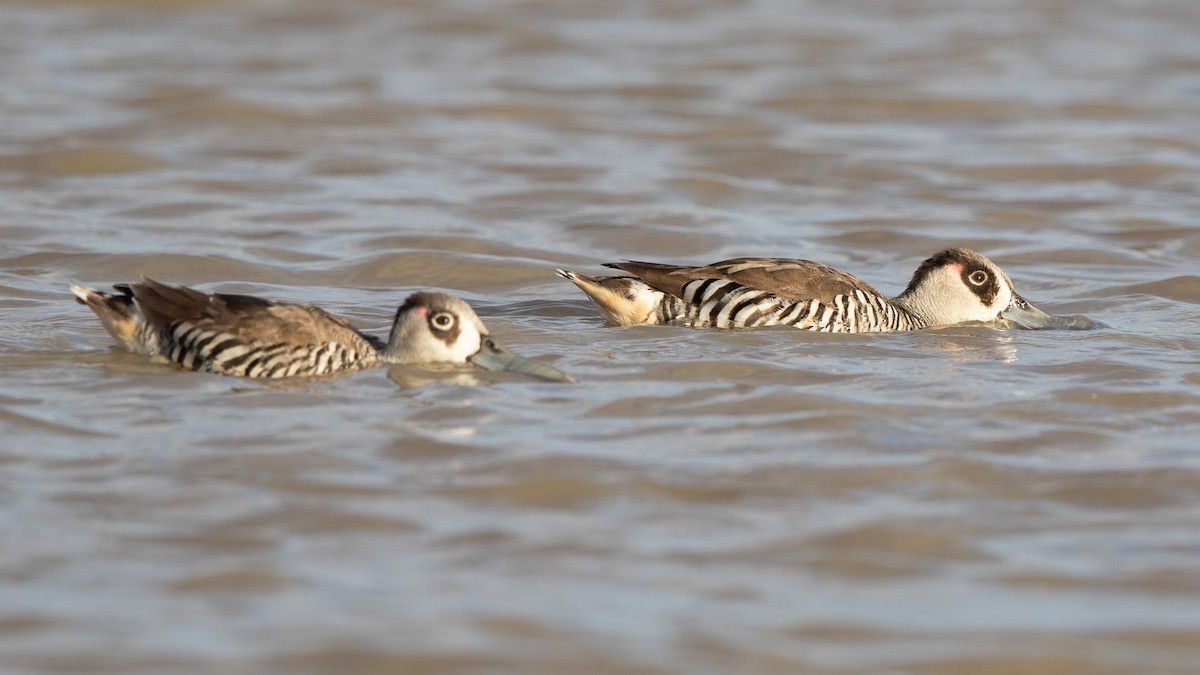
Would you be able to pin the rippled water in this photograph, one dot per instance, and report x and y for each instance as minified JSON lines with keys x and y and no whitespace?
{"x":966,"y":499}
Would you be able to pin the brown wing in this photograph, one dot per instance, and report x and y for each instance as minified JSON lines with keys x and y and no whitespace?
{"x":249,"y":319}
{"x":788,"y":278}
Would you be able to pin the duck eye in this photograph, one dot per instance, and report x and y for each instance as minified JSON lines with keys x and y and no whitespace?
{"x":442,"y":320}
{"x":978,"y":277}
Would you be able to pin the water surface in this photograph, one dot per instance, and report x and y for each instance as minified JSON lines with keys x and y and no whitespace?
{"x":965,"y":499}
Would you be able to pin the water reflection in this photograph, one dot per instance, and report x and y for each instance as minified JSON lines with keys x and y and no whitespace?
{"x":981,"y":344}
{"x":412,"y":377}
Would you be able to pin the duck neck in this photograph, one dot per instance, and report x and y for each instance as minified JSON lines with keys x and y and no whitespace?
{"x":397,"y":350}
{"x":912,"y":310}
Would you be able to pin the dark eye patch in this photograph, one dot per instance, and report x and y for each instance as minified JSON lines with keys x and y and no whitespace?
{"x":982,"y":283}
{"x":445,"y":326}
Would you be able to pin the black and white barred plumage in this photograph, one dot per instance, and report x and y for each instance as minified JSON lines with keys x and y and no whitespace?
{"x":953,"y":286}
{"x":192,"y":347}
{"x":246,"y":336}
{"x":722,"y":303}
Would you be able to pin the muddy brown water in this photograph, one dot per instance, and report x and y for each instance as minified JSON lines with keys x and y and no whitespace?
{"x":961,"y":500}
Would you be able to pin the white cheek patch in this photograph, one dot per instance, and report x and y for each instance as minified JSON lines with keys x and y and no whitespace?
{"x":1004,"y":298}
{"x":1007,"y":293}
{"x":468,"y":342}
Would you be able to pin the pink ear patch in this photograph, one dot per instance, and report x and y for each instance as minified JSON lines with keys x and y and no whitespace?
{"x":420,"y":310}
{"x":957,"y":267}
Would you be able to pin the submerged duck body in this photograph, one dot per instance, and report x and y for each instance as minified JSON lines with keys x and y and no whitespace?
{"x":953,"y":286}
{"x":247,"y":336}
